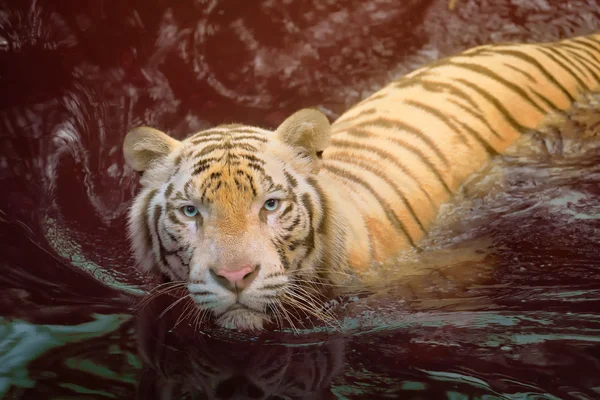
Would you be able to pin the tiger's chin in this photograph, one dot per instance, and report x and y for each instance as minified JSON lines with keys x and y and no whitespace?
{"x":243,"y":319}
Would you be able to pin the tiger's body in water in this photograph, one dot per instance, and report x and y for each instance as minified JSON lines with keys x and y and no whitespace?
{"x":245,"y":216}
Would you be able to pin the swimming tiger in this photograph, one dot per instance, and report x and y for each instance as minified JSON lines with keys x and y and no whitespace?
{"x":245,"y":216}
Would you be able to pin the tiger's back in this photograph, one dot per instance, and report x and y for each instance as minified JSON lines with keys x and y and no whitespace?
{"x":406,"y":149}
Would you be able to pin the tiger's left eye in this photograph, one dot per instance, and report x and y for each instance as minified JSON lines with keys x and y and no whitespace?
{"x":271,"y":204}
{"x":189,"y":211}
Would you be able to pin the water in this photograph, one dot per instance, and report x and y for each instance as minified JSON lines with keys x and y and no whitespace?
{"x":503,"y":302}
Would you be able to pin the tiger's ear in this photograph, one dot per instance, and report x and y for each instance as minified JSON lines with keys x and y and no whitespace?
{"x":143,"y":146}
{"x":307,"y":130}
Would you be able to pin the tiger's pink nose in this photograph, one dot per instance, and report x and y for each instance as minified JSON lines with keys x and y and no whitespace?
{"x":235,"y":278}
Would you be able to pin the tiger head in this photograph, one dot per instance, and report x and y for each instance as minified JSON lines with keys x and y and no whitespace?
{"x":235,"y":212}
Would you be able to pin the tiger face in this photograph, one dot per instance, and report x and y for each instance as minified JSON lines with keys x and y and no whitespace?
{"x":235,"y":212}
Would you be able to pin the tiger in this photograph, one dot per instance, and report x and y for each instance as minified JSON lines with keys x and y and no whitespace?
{"x":247,"y":217}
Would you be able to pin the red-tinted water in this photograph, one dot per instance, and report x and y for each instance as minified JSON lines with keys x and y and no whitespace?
{"x":519,"y":320}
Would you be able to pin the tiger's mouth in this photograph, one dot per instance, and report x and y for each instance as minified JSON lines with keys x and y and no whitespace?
{"x":238,"y":306}
{"x":237,"y":316}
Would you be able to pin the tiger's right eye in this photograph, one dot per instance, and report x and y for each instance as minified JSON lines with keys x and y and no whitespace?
{"x":189,"y":211}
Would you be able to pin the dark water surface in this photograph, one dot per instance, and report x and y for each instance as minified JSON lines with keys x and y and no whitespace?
{"x":504,"y":304}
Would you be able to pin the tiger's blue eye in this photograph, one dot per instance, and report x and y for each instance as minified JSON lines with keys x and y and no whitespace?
{"x":189,"y":211}
{"x":271,"y":204}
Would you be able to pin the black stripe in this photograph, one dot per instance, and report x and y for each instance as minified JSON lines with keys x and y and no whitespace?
{"x":574,"y":61}
{"x":373,"y":97}
{"x":519,"y":70}
{"x":391,"y":216}
{"x":260,"y":138}
{"x":231,"y":159}
{"x":158,"y":209}
{"x":244,"y":146}
{"x":335,"y":239}
{"x":177,"y":167}
{"x":396,"y":124}
{"x":173,"y":218}
{"x":582,"y":42}
{"x":440,"y":87}
{"x":484,"y":143}
{"x":309,"y":240}
{"x":210,"y":185}
{"x":348,"y":159}
{"x":388,"y":156}
{"x":209,"y":132}
{"x":204,"y":164}
{"x":476,"y":116}
{"x":282,"y":257}
{"x":586,"y":64}
{"x":369,"y":111}
{"x":145,"y":231}
{"x":201,"y":293}
{"x":439,"y":115}
{"x":586,"y":48}
{"x":322,"y":228}
{"x":274,"y":275}
{"x":273,"y":187}
{"x":548,"y":52}
{"x":533,"y":79}
{"x":214,"y":147}
{"x":532,"y":60}
{"x":404,"y":82}
{"x":592,"y":38}
{"x":187,"y":189}
{"x":443,"y":87}
{"x":293,"y":244}
{"x":243,"y":129}
{"x":200,"y":169}
{"x":256,"y":167}
{"x":286,"y":211}
{"x":544,"y":99}
{"x":267,"y":180}
{"x":494,"y":76}
{"x":234,"y":136}
{"x":291,"y":181}
{"x":252,"y":158}
{"x":211,"y":138}
{"x":293,"y":225}
{"x":250,"y":180}
{"x":177,"y":254}
{"x":169,"y":191}
{"x":227,"y":146}
{"x":273,"y":286}
{"x":497,"y":103}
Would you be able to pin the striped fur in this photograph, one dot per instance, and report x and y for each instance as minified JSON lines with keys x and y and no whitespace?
{"x":356,"y":193}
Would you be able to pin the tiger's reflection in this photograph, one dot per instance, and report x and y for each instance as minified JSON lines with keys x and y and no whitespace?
{"x":181,"y":363}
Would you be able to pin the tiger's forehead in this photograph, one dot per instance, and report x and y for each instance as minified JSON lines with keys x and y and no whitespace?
{"x":228,"y":164}
{"x":235,"y":140}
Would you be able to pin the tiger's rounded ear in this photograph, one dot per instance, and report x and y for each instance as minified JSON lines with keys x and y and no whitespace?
{"x":144,"y":145}
{"x":308,"y":130}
